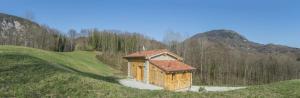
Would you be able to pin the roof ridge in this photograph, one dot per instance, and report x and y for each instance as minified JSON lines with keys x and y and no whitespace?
{"x":151,"y":53}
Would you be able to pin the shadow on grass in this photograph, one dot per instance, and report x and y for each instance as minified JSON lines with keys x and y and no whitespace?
{"x":95,"y":76}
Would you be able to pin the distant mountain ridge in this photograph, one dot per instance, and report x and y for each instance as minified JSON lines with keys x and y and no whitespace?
{"x":233,"y":39}
{"x":222,"y":33}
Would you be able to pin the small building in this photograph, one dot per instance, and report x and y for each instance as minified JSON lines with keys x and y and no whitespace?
{"x":161,"y":68}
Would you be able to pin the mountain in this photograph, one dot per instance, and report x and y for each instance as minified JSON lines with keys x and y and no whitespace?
{"x":220,"y":35}
{"x":10,"y":22}
{"x":234,"y":40}
{"x":226,"y":57}
{"x":19,"y":31}
{"x":228,"y":38}
{"x":16,"y":26}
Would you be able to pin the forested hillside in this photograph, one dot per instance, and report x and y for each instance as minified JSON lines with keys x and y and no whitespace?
{"x":22,"y":32}
{"x":225,"y":57}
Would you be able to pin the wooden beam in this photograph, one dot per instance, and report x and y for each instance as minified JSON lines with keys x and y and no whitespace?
{"x":128,"y":70}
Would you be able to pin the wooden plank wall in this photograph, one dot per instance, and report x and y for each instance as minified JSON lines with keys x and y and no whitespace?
{"x":178,"y":80}
{"x":134,"y":66}
{"x":156,"y":76}
{"x":170,"y":81}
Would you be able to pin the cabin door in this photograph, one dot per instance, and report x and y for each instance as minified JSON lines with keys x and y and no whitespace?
{"x":140,"y":73}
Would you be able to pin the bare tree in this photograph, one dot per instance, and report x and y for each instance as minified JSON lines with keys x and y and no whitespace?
{"x":172,"y":40}
{"x":72,"y":34}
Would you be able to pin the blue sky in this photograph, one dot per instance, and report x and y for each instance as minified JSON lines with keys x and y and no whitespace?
{"x":262,"y":21}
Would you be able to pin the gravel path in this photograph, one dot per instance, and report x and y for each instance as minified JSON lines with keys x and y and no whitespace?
{"x":139,"y":85}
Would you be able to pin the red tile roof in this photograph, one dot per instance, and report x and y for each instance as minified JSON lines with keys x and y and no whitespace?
{"x":171,"y":65}
{"x":146,"y":53}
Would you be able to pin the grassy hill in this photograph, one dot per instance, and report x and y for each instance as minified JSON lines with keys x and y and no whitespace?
{"x":80,"y":60}
{"x":28,"y":72}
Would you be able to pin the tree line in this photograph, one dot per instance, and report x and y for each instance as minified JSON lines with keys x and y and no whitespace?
{"x":115,"y":44}
{"x":218,"y":65}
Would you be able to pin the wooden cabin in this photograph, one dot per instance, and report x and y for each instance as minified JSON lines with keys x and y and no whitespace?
{"x":161,"y":68}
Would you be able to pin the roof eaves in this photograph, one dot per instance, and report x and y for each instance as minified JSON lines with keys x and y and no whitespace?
{"x":134,"y":57}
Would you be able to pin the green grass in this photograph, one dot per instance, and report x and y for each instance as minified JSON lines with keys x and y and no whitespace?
{"x":27,"y":72}
{"x":81,"y":60}
{"x":284,"y":89}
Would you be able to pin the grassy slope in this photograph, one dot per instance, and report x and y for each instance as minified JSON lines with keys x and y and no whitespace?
{"x":26,"y":72}
{"x":80,"y":60}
